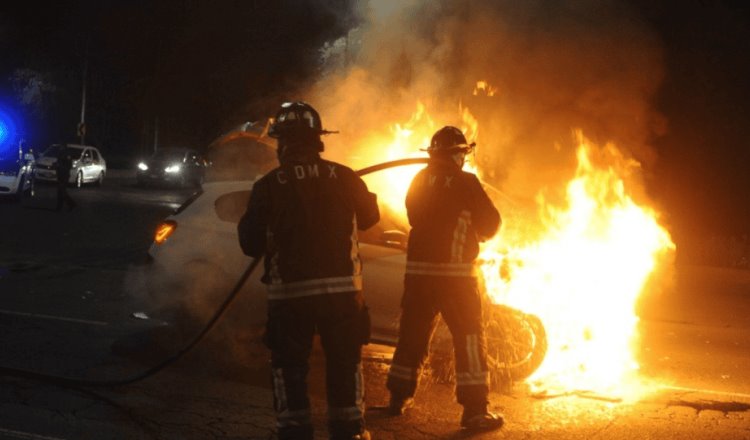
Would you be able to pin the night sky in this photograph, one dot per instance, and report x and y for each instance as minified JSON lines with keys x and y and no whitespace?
{"x":194,"y":69}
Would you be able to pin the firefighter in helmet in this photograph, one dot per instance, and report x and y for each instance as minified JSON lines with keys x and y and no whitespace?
{"x":303,"y":218}
{"x":449,"y":213}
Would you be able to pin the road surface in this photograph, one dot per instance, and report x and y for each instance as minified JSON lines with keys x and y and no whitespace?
{"x":69,"y":308}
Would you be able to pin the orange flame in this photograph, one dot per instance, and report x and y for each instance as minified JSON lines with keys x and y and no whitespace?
{"x":470,"y":125}
{"x":584,"y":276}
{"x":483,"y":87}
{"x":403,"y":140}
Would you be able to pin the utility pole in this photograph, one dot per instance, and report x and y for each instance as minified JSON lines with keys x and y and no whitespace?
{"x":156,"y":133}
{"x":82,"y":123}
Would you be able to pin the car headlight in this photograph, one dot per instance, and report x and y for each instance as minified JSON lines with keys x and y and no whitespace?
{"x":142,"y":166}
{"x":172,"y":169}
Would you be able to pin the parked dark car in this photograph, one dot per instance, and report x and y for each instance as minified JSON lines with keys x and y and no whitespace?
{"x":173,"y":166}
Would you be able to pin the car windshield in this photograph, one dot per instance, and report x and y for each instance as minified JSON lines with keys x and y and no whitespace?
{"x":52,"y":151}
{"x":165,"y":155}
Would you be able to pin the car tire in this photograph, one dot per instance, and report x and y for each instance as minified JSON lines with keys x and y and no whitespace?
{"x":100,"y":179}
{"x":79,"y":179}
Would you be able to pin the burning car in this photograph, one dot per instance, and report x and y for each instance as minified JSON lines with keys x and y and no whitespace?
{"x":195,"y":260}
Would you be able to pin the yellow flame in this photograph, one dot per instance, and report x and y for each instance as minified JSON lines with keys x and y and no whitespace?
{"x":583,"y":278}
{"x":470,"y":126}
{"x":483,"y":87}
{"x":402,"y":140}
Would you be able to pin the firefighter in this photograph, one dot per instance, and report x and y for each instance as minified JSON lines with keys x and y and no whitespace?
{"x":303,"y":218}
{"x":450,"y":214}
{"x":63,"y":166}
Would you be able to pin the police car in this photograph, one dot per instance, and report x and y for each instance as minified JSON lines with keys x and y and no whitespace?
{"x":16,"y":170}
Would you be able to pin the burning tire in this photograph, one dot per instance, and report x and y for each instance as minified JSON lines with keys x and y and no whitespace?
{"x":516,"y":346}
{"x":516,"y":343}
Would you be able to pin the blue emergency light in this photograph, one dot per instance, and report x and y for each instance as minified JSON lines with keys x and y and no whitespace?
{"x":10,"y":129}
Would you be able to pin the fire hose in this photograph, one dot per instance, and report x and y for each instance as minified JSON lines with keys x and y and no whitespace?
{"x":77,"y":382}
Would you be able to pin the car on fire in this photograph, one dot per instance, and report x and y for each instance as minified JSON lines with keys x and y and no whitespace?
{"x":88,"y":166}
{"x":173,"y":166}
{"x":195,"y":261}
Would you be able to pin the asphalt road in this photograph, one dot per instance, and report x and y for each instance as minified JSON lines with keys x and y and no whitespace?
{"x":67,"y":309}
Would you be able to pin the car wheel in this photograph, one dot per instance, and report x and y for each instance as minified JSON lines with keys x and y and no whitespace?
{"x":79,"y":179}
{"x":100,"y":179}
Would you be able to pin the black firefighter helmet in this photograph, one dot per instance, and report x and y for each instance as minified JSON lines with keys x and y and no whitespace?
{"x":448,"y":140}
{"x":296,"y":118}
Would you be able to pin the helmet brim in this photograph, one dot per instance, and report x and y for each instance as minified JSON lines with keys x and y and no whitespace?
{"x":276,"y":133}
{"x":465,"y":148}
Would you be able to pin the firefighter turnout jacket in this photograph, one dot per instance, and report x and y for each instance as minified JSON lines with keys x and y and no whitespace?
{"x":303,"y":217}
{"x":450,"y":214}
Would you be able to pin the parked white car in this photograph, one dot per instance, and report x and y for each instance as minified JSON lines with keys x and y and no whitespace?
{"x":88,"y":165}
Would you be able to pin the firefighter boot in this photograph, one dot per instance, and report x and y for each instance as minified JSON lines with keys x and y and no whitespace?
{"x":479,"y":419}
{"x":398,"y":405}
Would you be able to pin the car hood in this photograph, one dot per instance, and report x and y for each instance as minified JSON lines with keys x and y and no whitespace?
{"x":46,"y":160}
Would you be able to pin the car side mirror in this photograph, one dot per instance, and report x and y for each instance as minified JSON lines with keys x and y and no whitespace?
{"x":395,"y":239}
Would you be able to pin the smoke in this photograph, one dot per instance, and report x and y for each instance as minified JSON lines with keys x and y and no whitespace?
{"x":557,"y":67}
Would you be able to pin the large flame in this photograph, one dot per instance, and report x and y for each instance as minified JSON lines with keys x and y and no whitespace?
{"x":582,"y":275}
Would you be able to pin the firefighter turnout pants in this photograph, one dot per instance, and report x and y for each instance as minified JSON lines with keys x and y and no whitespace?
{"x":342,"y":321}
{"x":458,"y":300}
